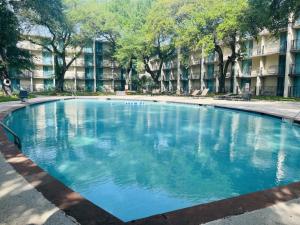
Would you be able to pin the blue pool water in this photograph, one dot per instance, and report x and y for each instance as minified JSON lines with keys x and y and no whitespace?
{"x":138,"y":160}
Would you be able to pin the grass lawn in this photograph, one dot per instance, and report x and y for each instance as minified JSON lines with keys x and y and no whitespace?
{"x":8,"y":98}
{"x":79,"y":93}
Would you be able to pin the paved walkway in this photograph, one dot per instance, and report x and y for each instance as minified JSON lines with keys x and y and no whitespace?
{"x":22,"y":204}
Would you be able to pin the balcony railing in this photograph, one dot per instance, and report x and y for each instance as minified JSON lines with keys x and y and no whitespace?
{"x":194,"y":77}
{"x":271,"y":49}
{"x":272,"y":70}
{"x":26,"y":74}
{"x":297,"y":22}
{"x":295,"y":45}
{"x":295,"y":69}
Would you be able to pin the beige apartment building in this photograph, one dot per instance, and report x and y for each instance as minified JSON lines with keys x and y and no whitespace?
{"x":92,"y":71}
{"x":270,"y":66}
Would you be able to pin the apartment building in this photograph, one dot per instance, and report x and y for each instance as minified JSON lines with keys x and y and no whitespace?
{"x":93,"y":70}
{"x":270,"y":66}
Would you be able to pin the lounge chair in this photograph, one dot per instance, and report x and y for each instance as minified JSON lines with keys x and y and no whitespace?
{"x":195,"y":93}
{"x":204,"y":92}
{"x":245,"y":96}
{"x":224,"y":97}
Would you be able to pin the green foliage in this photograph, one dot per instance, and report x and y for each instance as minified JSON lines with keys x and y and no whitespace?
{"x":211,"y":22}
{"x":60,"y":30}
{"x":271,"y":14}
{"x":11,"y":57}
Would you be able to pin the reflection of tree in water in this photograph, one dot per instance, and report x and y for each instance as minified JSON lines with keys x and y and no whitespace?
{"x":189,"y":152}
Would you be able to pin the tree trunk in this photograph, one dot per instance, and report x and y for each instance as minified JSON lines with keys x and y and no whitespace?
{"x":222,"y":73}
{"x":6,"y":89}
{"x":60,"y":82}
{"x":154,"y":75}
{"x":178,"y":90}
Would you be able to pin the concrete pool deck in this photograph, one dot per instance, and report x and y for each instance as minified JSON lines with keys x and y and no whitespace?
{"x":21,"y":203}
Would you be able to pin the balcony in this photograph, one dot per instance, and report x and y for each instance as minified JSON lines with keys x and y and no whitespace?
{"x":271,"y":71}
{"x":195,"y":62}
{"x":295,"y":45}
{"x":256,"y":73}
{"x":194,"y":77}
{"x":270,"y":50}
{"x":297,"y":22}
{"x":294,"y":70}
{"x":26,"y":74}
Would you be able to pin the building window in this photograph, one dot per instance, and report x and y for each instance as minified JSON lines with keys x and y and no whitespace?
{"x":246,"y":68}
{"x":89,"y":73}
{"x":88,"y":60}
{"x":48,"y":71}
{"x":47,"y":58}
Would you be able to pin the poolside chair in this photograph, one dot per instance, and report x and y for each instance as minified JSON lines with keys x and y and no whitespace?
{"x":120,"y":93}
{"x":195,"y":93}
{"x":227,"y":96}
{"x":204,"y":92}
{"x":245,"y":96}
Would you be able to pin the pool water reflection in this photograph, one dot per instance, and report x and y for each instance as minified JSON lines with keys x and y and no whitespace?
{"x":138,"y":160}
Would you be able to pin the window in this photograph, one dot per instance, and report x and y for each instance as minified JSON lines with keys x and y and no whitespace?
{"x":89,"y":73}
{"x":48,"y":71}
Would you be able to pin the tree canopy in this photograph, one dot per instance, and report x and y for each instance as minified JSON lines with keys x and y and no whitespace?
{"x":140,"y":31}
{"x":11,"y":57}
{"x":58,"y":29}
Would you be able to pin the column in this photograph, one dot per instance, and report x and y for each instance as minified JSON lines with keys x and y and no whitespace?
{"x":289,"y":57}
{"x":202,"y":84}
{"x":95,"y":68}
{"x":178,"y":91}
{"x":53,"y":67}
{"x":75,"y":75}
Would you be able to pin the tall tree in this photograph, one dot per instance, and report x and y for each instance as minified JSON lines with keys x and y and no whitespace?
{"x":212,"y":25}
{"x":58,"y":32}
{"x":11,"y":57}
{"x":271,"y":14}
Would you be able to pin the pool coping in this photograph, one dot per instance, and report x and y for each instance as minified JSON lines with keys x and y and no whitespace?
{"x":85,"y":212}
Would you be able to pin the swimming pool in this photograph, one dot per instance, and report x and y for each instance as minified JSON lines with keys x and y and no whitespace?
{"x":136,"y":160}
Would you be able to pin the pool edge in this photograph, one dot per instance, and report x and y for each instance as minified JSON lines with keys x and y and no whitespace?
{"x":85,"y":212}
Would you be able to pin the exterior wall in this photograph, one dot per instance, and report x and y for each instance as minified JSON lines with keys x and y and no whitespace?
{"x":91,"y":68}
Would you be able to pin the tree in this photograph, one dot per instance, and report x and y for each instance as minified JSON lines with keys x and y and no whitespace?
{"x":59,"y":31}
{"x":211,"y":25}
{"x":112,"y":21}
{"x":271,"y":14}
{"x":11,"y":57}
